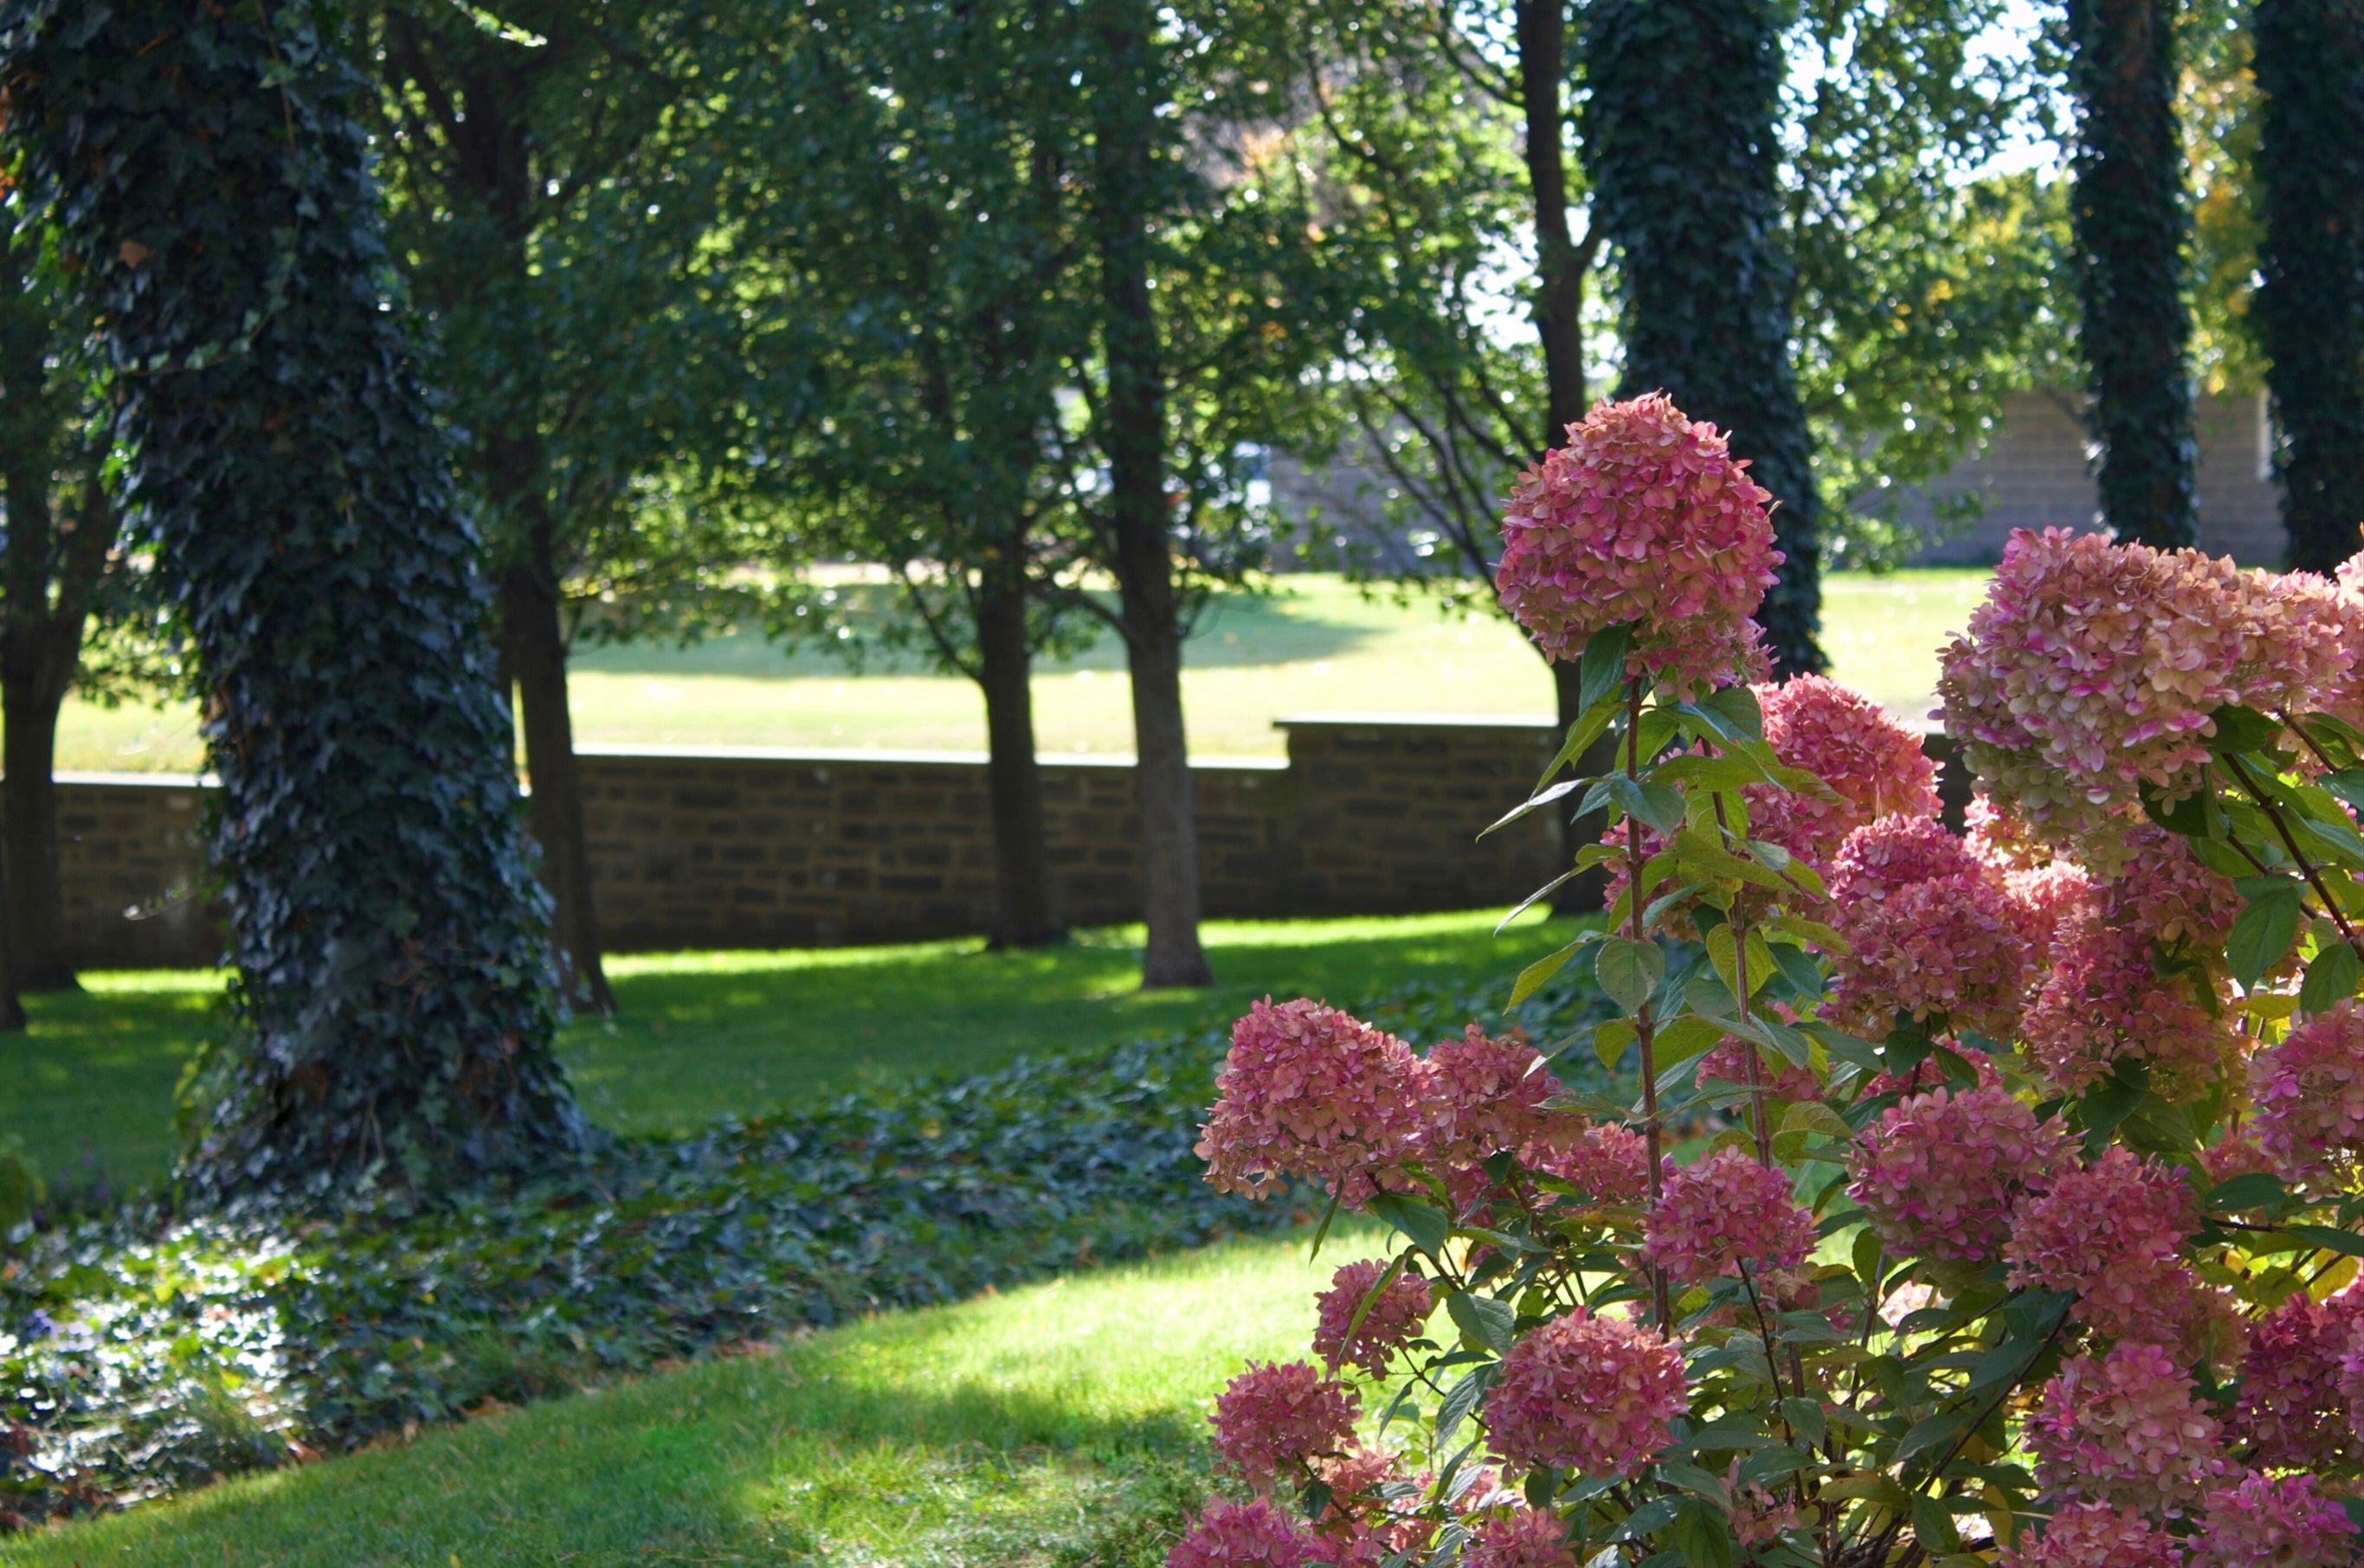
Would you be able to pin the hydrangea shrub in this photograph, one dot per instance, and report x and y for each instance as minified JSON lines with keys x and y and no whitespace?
{"x":1984,"y":1199}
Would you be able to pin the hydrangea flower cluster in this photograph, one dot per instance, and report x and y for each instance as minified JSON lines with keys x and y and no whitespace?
{"x":1519,"y":1537}
{"x":2308,"y":1092}
{"x":1272,"y":1420}
{"x":2094,"y":668}
{"x":2294,"y":1413}
{"x":1308,"y":1091}
{"x":2113,"y":1233}
{"x":2163,"y":889}
{"x":2283,"y":1521}
{"x":1875,"y":767}
{"x":1644,"y":517}
{"x":1587,"y":1393}
{"x":1244,"y":1535}
{"x":1605,"y":1163}
{"x":1725,"y":1214}
{"x":2125,"y":1429}
{"x":1484,"y":1096}
{"x":2094,"y":1535}
{"x":1394,"y":1319}
{"x":1938,"y":1174}
{"x":2105,"y":1002}
{"x":1930,"y":931}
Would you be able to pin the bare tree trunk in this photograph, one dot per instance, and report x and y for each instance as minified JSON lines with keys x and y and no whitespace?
{"x":28,"y":811}
{"x":534,"y":650}
{"x":1025,"y":907}
{"x":1134,"y":439}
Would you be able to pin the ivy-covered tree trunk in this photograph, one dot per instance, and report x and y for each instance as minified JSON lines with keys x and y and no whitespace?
{"x":394,"y":994}
{"x":2131,"y":229}
{"x":2309,"y":58}
{"x":1679,"y":139}
{"x":1125,"y":130}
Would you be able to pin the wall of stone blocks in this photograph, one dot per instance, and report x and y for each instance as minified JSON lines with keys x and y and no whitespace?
{"x":2034,"y":473}
{"x":767,"y":850}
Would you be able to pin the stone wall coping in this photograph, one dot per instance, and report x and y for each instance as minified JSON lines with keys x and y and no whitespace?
{"x":828,"y":756}
{"x":1413,"y":721}
{"x":157,"y":781}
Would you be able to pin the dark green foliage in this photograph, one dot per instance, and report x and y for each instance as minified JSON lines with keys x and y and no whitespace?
{"x":2132,"y":229}
{"x":208,"y":177}
{"x":661,"y":1248}
{"x":129,"y":1345}
{"x":2310,"y":68}
{"x":1678,"y":138}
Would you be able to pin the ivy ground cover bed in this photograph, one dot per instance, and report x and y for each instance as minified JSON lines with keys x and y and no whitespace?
{"x":138,"y":1355}
{"x":1058,"y":1424}
{"x":89,"y":1087}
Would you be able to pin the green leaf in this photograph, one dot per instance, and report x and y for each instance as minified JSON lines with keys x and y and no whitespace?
{"x":1482,"y":1319}
{"x":1628,"y":970}
{"x":1531,"y":978}
{"x":2331,"y":977}
{"x":2328,"y":1238}
{"x":1744,"y":718}
{"x":1936,"y":1432}
{"x":1425,"y":1226}
{"x":1535,"y":802}
{"x":1685,"y":1037}
{"x":2265,"y":928}
{"x":1703,"y":1536}
{"x":2257,"y":1189}
{"x":1612,"y":1040}
{"x":1581,"y":737}
{"x":2240,"y":730}
{"x":1460,"y":1400}
{"x":2109,"y":1102}
{"x":1933,"y":1525}
{"x":1600,"y":669}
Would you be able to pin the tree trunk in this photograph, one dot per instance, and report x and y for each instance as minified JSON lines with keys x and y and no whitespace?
{"x":534,"y":651}
{"x":2131,"y":232}
{"x":1559,"y":271}
{"x":1680,"y":134}
{"x":1025,"y":907}
{"x":30,"y":700}
{"x":2310,"y":66}
{"x":1133,"y":435}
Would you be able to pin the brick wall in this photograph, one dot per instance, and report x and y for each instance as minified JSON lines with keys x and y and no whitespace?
{"x":761,"y":849}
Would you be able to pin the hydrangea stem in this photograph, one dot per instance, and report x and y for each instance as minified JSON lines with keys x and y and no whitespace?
{"x":1645,"y":1029}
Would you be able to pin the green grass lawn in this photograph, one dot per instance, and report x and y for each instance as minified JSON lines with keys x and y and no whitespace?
{"x":1316,"y":644}
{"x":700,"y":1035}
{"x":1060,"y":1424}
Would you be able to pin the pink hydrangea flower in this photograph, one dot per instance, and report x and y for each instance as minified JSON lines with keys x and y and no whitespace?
{"x":1394,"y":1319}
{"x":2094,"y":668}
{"x":1588,"y":1394}
{"x":1270,"y":1421}
{"x":2292,"y":1413}
{"x":1874,"y":765}
{"x":2113,"y":1233}
{"x":1605,"y":1163}
{"x":2273,"y":1522}
{"x":2104,"y":1003}
{"x":1937,"y":1174}
{"x":2001,"y":840}
{"x":2123,"y":1429}
{"x":1519,"y":1537}
{"x":1244,"y":1535}
{"x":2163,"y":890}
{"x":1484,"y":1096}
{"x":1309,"y":1091}
{"x":2043,"y":897}
{"x":1931,"y":931}
{"x":1781,"y":1078}
{"x":2308,"y":1091}
{"x":1644,"y":517}
{"x":1724,"y":1214}
{"x":2093,"y":1535}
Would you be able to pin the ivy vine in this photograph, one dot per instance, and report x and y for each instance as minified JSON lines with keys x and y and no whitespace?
{"x":1679,"y":140}
{"x":209,"y":181}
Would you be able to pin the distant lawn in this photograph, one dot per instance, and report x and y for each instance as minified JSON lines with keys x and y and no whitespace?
{"x":1316,"y":644}
{"x":1062,"y":1424}
{"x":700,"y":1035}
